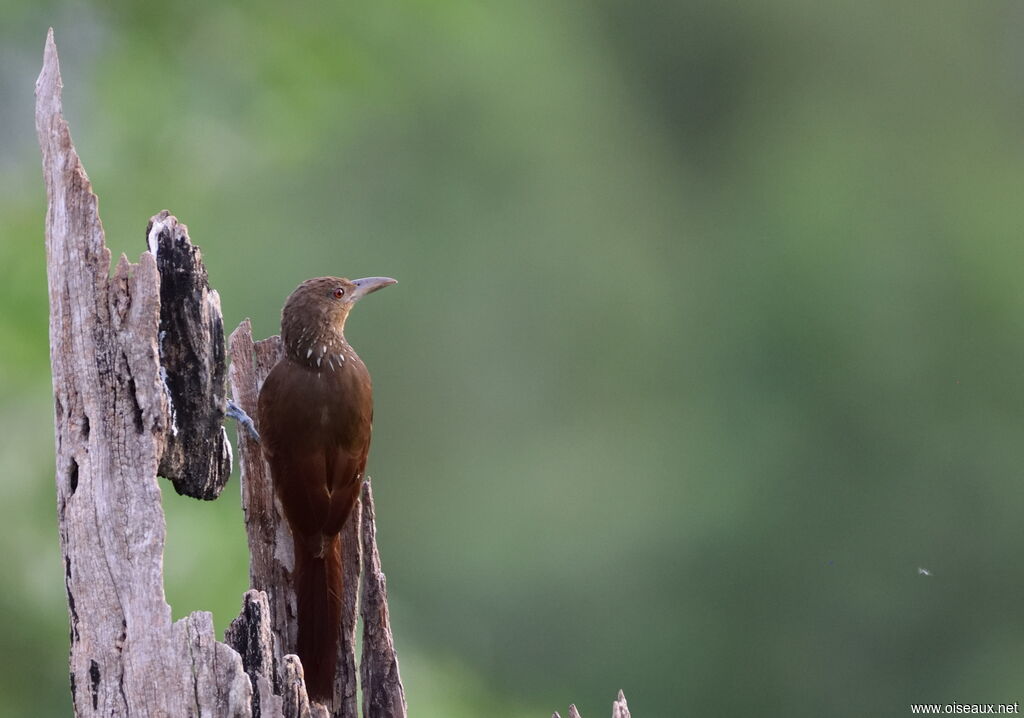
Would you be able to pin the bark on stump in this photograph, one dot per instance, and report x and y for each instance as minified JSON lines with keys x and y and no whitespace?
{"x":138,"y":367}
{"x":112,"y":417}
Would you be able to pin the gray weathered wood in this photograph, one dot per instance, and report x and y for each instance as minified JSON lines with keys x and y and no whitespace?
{"x":197,"y":457}
{"x":252,"y":637}
{"x":296,"y":702}
{"x":383,"y":695}
{"x":270,"y":543}
{"x":619,"y":709}
{"x":112,"y":419}
{"x":138,"y":378}
{"x":351,"y":564}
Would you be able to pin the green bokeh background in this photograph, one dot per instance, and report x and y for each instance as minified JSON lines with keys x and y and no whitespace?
{"x":709,"y":330}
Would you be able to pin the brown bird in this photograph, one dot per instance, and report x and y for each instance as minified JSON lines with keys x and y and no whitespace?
{"x":315,"y":414}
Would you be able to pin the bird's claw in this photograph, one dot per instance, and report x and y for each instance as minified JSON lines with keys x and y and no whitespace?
{"x":238,"y":414}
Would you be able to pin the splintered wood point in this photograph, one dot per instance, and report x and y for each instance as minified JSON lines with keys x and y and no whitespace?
{"x":619,"y":709}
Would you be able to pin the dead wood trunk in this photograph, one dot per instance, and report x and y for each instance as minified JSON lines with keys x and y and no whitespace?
{"x":139,"y":386}
{"x":112,"y":417}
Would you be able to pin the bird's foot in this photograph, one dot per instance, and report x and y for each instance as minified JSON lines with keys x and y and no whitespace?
{"x":238,"y":414}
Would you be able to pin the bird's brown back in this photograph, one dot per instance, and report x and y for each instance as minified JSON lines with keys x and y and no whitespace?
{"x":315,"y":429}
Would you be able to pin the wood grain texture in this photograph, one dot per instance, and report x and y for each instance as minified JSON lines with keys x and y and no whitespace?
{"x":115,"y":417}
{"x":271,"y":557}
{"x":383,"y":694}
{"x":252,"y":637}
{"x":111,"y":419}
{"x":351,"y":564}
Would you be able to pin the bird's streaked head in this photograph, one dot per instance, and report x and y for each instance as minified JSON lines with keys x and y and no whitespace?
{"x":313,"y":318}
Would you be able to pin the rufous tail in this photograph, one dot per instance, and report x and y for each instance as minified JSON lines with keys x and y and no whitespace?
{"x":318,"y":591}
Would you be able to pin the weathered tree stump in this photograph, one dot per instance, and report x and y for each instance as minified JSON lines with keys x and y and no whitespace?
{"x":112,"y":417}
{"x":138,"y":367}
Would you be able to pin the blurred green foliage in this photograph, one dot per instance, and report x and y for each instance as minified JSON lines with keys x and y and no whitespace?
{"x":708,"y":335}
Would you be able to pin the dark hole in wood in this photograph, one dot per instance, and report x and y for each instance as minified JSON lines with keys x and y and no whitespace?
{"x":94,"y":677}
{"x":136,"y":409}
{"x":73,"y":476}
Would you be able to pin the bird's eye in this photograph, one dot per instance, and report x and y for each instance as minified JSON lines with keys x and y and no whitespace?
{"x":339,"y":292}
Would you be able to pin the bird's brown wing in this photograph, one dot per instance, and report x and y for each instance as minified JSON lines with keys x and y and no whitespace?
{"x":298,"y":461}
{"x":347,"y":478}
{"x":300,"y":485}
{"x":348,"y":433}
{"x":316,"y":442}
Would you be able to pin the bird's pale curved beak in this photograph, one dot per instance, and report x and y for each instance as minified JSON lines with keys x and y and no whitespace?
{"x":367,"y":285}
